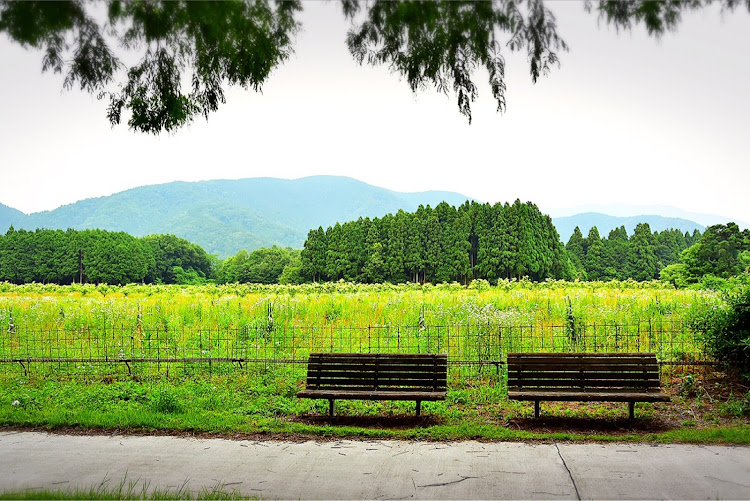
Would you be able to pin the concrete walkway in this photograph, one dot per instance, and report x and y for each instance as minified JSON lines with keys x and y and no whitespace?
{"x":378,"y":469}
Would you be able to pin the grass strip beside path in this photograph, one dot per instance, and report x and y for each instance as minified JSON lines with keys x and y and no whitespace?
{"x":125,"y":490}
{"x":265,"y":404}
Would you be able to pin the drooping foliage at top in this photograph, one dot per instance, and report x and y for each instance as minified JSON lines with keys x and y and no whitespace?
{"x":657,"y":16}
{"x":441,"y":43}
{"x":436,"y":44}
{"x":211,"y":43}
{"x":443,"y":244}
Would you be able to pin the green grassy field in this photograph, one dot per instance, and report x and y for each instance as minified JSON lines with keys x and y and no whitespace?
{"x":284,"y":323}
{"x":477,"y":323}
{"x":264,"y":403}
{"x":234,"y":306}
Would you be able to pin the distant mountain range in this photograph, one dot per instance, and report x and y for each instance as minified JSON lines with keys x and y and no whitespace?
{"x":9,"y":215}
{"x":225,"y":216}
{"x":624,"y":210}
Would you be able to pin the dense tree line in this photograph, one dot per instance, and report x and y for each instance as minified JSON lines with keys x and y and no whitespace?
{"x":722,"y":251}
{"x":618,"y":256}
{"x":473,"y":241}
{"x":439,"y":245}
{"x":98,"y":256}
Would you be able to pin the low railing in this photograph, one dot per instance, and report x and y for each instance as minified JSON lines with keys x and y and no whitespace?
{"x":471,"y":348}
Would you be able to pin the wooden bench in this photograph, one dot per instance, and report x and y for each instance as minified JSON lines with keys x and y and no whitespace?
{"x":353,"y":376}
{"x":584,"y":377}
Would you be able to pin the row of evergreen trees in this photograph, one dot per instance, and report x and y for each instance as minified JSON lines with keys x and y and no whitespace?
{"x":430,"y":245}
{"x":98,"y":256}
{"x":640,"y":257}
{"x":443,"y":244}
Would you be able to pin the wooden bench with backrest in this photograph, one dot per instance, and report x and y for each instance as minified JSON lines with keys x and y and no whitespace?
{"x":354,"y":376}
{"x":584,"y":377}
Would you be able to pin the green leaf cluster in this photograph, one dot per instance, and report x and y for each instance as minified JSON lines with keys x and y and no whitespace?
{"x":262,"y":266}
{"x":726,"y":330}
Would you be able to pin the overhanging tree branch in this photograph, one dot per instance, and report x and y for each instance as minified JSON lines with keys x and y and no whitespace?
{"x":207,"y":45}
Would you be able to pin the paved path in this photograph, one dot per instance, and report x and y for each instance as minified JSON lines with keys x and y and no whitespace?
{"x":378,"y":469}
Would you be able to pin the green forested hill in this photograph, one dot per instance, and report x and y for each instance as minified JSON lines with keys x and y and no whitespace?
{"x":225,"y":216}
{"x":8,"y":216}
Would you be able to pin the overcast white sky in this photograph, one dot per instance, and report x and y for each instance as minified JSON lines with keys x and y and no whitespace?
{"x":626,"y":119}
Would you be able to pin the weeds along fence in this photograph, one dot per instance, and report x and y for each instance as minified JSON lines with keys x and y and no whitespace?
{"x":473,"y":349}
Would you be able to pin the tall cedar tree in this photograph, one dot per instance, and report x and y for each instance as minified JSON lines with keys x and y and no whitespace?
{"x":595,"y":262}
{"x":577,"y":253}
{"x":642,"y":262}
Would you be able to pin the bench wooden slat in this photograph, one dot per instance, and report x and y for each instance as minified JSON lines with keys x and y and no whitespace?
{"x":368,"y":390}
{"x":430,"y":396}
{"x":615,"y":356}
{"x":388,"y":369}
{"x":601,"y":396}
{"x":423,"y":379}
{"x":588,"y":383}
{"x":602,"y":367}
{"x":335,"y":372}
{"x":587,"y":358}
{"x":371,"y":357}
{"x":346,"y":381}
{"x":654,"y":374}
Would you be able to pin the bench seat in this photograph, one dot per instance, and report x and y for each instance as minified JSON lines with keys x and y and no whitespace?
{"x":368,"y":376}
{"x":584,"y":377}
{"x":594,"y":396}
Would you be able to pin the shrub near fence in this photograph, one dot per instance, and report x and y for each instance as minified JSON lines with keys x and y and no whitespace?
{"x":471,"y":348}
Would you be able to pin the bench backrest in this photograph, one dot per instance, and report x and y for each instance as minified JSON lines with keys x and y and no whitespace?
{"x":577,"y":371}
{"x":391,"y":372}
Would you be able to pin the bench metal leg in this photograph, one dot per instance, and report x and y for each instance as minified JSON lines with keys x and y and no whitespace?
{"x":536,"y":408}
{"x":419,"y":407}
{"x":631,"y":408}
{"x":331,"y":408}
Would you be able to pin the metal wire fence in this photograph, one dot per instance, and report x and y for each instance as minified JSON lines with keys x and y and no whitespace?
{"x":472,"y":349}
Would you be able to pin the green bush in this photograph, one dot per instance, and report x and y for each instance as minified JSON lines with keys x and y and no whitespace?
{"x":726,"y":330}
{"x":164,"y":400}
{"x":737,"y":407}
